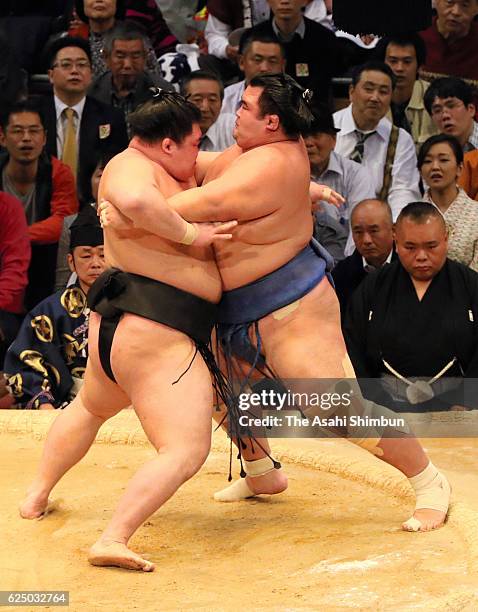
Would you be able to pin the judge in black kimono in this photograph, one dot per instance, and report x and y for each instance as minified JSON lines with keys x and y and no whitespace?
{"x":413,"y":325}
{"x":46,"y":362}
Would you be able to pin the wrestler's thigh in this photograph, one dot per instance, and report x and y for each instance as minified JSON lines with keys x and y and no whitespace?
{"x":174,"y":413}
{"x":100,"y":395}
{"x":308,"y":342}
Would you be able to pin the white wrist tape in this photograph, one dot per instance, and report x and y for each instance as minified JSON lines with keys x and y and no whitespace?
{"x":190,"y":235}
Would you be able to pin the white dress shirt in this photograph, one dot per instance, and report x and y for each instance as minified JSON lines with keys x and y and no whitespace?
{"x":61,"y":122}
{"x":219,"y":136}
{"x":217,"y":32}
{"x":232,"y":97}
{"x":369,"y":268}
{"x":405,"y":177}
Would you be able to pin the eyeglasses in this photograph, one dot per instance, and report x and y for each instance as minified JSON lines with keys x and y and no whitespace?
{"x":69,"y":64}
{"x":21,"y":131}
{"x":437,"y":110}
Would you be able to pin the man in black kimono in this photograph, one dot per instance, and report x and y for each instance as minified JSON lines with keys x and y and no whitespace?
{"x":46,"y":362}
{"x":413,"y":324}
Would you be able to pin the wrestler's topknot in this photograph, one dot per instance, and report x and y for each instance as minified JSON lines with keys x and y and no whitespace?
{"x":284,"y":97}
{"x":166,"y":115}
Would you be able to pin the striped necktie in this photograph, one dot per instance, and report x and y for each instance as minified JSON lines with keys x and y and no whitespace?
{"x":69,"y":154}
{"x":357,"y":153}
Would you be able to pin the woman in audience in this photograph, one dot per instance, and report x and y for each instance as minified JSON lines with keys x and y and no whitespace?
{"x":440,"y":161}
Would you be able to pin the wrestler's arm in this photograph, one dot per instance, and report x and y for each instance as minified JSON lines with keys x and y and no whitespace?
{"x":203,"y":162}
{"x":130,"y":185}
{"x":242,"y":192}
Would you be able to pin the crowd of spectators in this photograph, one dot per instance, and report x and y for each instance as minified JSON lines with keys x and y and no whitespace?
{"x":72,"y":71}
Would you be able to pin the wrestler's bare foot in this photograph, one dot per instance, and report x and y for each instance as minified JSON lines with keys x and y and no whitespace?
{"x":268,"y":484}
{"x":117,"y":554}
{"x":34,"y":506}
{"x":425,"y":519}
{"x":244,"y":488}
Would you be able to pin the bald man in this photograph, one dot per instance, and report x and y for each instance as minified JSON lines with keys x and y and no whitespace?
{"x":416,"y":319}
{"x":371,"y":225}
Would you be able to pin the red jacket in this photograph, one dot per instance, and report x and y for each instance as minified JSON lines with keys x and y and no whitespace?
{"x":14,"y":253}
{"x":457,"y":58}
{"x":63,"y":202}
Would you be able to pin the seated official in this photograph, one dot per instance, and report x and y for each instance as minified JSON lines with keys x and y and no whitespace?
{"x":45,"y":364}
{"x":413,"y":325}
{"x":372,"y":233}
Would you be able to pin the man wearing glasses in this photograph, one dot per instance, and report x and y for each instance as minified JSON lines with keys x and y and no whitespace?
{"x":78,"y":125}
{"x":449,"y":101}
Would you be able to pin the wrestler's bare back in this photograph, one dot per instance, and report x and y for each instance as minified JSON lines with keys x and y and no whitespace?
{"x":192,"y":269}
{"x":279,"y":179}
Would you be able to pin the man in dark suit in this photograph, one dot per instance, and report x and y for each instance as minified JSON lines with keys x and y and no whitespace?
{"x":311,"y":50}
{"x":77,"y":125}
{"x":371,"y":225}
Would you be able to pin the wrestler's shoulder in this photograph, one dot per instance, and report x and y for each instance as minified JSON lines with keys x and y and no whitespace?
{"x":126,"y":157}
{"x":277,"y":152}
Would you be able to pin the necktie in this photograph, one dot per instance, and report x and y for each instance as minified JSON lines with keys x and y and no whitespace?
{"x":70,"y":153}
{"x":357,"y":153}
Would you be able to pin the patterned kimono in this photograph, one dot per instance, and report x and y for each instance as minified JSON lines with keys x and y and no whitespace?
{"x":47,"y":361}
{"x":461,"y":218}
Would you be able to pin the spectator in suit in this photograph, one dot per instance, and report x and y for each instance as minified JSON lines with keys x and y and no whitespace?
{"x":43,"y":184}
{"x":258,"y":54}
{"x":311,"y":50}
{"x":78,"y":125}
{"x":372,"y":232}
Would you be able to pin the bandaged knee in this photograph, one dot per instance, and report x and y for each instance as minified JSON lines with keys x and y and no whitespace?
{"x":239,"y":489}
{"x":432,"y":492}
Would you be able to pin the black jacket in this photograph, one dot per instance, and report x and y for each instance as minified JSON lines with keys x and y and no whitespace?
{"x":316,"y":54}
{"x":102,"y":131}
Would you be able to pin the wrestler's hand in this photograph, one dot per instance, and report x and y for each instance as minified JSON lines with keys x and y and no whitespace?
{"x":110,"y":216}
{"x":325,"y":194}
{"x":208,"y":233}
